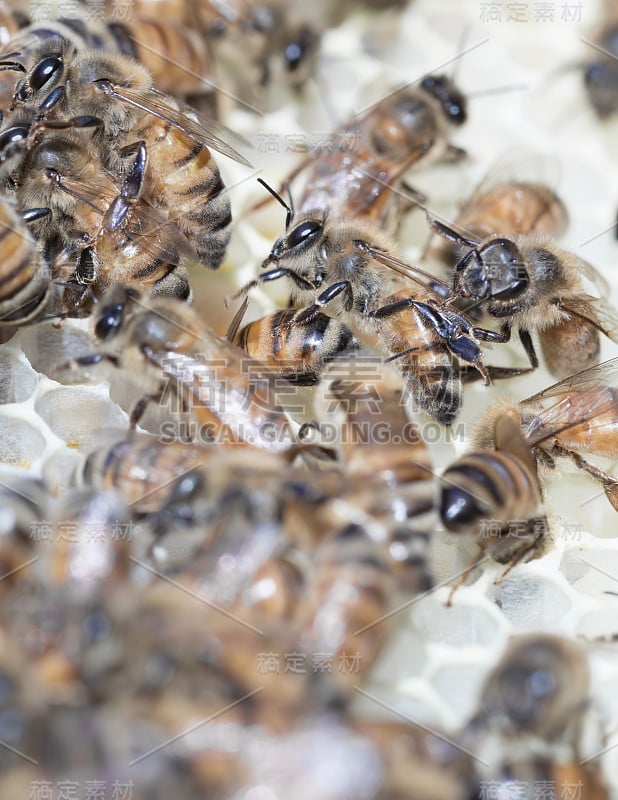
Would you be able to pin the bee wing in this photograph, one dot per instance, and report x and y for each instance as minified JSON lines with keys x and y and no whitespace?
{"x":597,"y":311}
{"x":577,"y":399}
{"x":520,"y":165}
{"x":157,"y":235}
{"x":149,"y":229}
{"x":594,"y":276}
{"x":425,"y":279}
{"x":602,"y":375}
{"x":200,"y":129}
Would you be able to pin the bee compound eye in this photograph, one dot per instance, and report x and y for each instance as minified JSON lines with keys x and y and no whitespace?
{"x":44,"y":71}
{"x":109,"y":321}
{"x":303,"y":232}
{"x":12,"y":136}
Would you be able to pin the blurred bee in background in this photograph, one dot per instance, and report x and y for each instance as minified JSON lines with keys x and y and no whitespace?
{"x":495,"y":496}
{"x":539,"y":688}
{"x":528,"y":728}
{"x":528,"y":774}
{"x":26,"y":508}
{"x":418,"y":763}
{"x":142,"y":468}
{"x":532,"y":285}
{"x":249,"y":46}
{"x":601,"y":72}
{"x":571,"y":418}
{"x":361,"y":177}
{"x":385,"y":490}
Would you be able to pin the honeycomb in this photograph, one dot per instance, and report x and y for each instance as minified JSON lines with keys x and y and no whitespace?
{"x":436,"y":662}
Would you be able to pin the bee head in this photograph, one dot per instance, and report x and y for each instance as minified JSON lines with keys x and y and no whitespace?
{"x":297,"y":239}
{"x":498,"y":273}
{"x":111,"y":314}
{"x":451,"y":99}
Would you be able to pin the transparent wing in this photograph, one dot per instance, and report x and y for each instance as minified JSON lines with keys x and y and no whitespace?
{"x":594,"y":276}
{"x":146,"y":227}
{"x":580,"y":398}
{"x":200,"y":129}
{"x":521,"y":165}
{"x":597,"y":311}
{"x":420,"y":276}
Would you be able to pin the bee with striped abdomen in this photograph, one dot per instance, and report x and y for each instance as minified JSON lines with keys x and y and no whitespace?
{"x":229,"y":395}
{"x":494,"y":495}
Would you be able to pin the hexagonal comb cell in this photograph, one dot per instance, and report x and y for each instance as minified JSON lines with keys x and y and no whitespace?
{"x":76,"y":414}
{"x":20,"y":443}
{"x":17,"y":380}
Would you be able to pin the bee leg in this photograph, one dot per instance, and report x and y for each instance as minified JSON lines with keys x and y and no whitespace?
{"x":325,"y":297}
{"x":463,"y":577}
{"x":416,"y":198}
{"x":91,"y":360}
{"x":444,"y":230}
{"x":34,"y":214}
{"x":537,"y":528}
{"x":80,"y":122}
{"x":454,"y":154}
{"x":116,"y":214}
{"x":274,"y":275}
{"x":500,"y":337}
{"x":608,"y":481}
{"x":528,"y":344}
{"x":137,"y":412}
{"x":469,"y":374}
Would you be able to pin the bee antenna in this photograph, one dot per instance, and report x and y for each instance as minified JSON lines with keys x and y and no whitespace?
{"x":515,"y":87}
{"x":280,"y":200}
{"x":12,"y":65}
{"x":461,"y":46}
{"x":290,"y":214}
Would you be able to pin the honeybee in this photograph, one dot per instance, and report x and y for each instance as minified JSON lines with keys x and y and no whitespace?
{"x":175,"y":55}
{"x":532,"y":285}
{"x":569,"y":419}
{"x":514,"y":198}
{"x":34,"y":280}
{"x":25,"y":275}
{"x":364,"y":285}
{"x":540,"y":687}
{"x":356,"y":179}
{"x":227,"y":393}
{"x":116,"y":235}
{"x":495,"y":495}
{"x":367,"y":526}
{"x":386,"y":494}
{"x":601,"y":75}
{"x":254,"y":42}
{"x":298,"y":351}
{"x":142,"y":468}
{"x":114,"y":95}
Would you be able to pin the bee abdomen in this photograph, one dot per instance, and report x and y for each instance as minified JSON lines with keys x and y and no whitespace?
{"x":24,"y":282}
{"x":486,"y":485}
{"x":207,"y":223}
{"x":438,"y":389}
